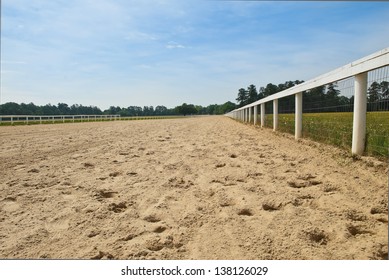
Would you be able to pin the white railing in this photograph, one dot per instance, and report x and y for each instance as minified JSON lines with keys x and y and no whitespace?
{"x":357,"y":69}
{"x":55,"y":118}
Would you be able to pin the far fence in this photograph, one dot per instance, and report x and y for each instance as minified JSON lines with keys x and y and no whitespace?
{"x":12,"y":119}
{"x":355,"y":72}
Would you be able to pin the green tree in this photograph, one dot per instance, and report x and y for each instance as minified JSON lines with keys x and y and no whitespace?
{"x":186,"y":109}
{"x":27,"y":109}
{"x":160,"y":110}
{"x":10,"y":108}
{"x":252,"y":94}
{"x":243,"y":97}
{"x":227,"y":107}
{"x":384,"y":89}
{"x":332,"y":97}
{"x":373,"y":92}
{"x":63,"y":108}
{"x":270,"y":89}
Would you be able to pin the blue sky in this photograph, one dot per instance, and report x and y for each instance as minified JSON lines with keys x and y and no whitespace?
{"x":123,"y":52}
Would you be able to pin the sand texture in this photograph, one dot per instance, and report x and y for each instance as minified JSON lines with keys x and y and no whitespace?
{"x":192,"y":188}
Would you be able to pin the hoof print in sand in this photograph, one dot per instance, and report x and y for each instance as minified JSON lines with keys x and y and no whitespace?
{"x":381,"y":252}
{"x":154,"y":245}
{"x":245,"y":212}
{"x":300,"y":200}
{"x":128,"y":237}
{"x":117,"y":208}
{"x":304,"y":181}
{"x":103,"y":256}
{"x":316,"y":236}
{"x":329,"y":189}
{"x":92,"y":233}
{"x":34,"y":170}
{"x":378,"y":210}
{"x":114,"y":174}
{"x":104,"y":194}
{"x":178,"y":183}
{"x":297,"y":184}
{"x":271,"y":206}
{"x":151,"y":219}
{"x":354,"y":230}
{"x":303,"y":184}
{"x":354,"y":215}
{"x":159,"y":229}
{"x":88,"y":165}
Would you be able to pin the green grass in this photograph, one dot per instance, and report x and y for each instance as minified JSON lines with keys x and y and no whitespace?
{"x":336,"y":129}
{"x":377,"y":127}
{"x":331,"y":128}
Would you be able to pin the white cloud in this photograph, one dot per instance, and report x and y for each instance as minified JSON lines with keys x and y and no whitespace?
{"x":137,"y":36}
{"x":174,"y":45}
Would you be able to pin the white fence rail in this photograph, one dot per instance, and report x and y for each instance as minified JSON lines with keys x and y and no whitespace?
{"x":57,"y":118}
{"x":357,"y":69}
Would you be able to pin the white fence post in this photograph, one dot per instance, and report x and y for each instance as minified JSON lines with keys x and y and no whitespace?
{"x":359,"y":116}
{"x":262,"y":114}
{"x":298,"y":133}
{"x":255,"y":114}
{"x":250,"y":109}
{"x":298,"y":116}
{"x":275,"y":114}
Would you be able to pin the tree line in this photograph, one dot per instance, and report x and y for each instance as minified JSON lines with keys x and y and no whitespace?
{"x":326,"y":98}
{"x":320,"y":99}
{"x":12,"y":108}
{"x":378,"y":96}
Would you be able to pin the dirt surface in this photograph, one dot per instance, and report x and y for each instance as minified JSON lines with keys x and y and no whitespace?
{"x":193,"y":188}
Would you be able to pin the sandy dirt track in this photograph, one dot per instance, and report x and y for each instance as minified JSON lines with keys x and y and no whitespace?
{"x":193,"y":188}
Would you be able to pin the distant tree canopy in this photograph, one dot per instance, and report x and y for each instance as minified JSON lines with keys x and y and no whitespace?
{"x":250,"y":95}
{"x":12,"y":108}
{"x":323,"y":98}
{"x":186,"y":109}
{"x":376,"y":93}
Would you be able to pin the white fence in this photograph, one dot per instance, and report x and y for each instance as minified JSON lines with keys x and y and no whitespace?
{"x":357,"y":69}
{"x":57,"y":118}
